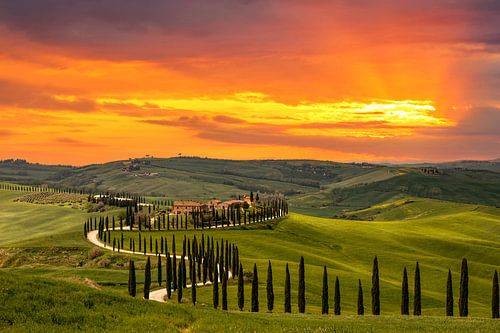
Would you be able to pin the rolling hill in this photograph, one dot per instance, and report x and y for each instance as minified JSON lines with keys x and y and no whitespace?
{"x":314,"y":187}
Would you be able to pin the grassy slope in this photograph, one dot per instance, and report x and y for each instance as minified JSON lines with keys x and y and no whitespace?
{"x":460,"y":186}
{"x":47,"y":240}
{"x":25,"y":224}
{"x":438,"y":241}
{"x":34,"y":304}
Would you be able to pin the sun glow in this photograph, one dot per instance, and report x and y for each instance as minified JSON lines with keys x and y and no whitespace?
{"x":380,"y":118}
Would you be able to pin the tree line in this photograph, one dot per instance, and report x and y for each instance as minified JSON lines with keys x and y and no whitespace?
{"x":177,"y":279}
{"x":30,"y":188}
{"x":224,"y":217}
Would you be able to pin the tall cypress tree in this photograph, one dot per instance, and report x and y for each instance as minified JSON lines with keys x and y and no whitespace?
{"x":159,"y":271}
{"x":336,"y":304}
{"x":255,"y":290}
{"x":184,"y":272}
{"x":324,"y":294}
{"x":361,"y":307}
{"x":131,"y":278}
{"x":375,"y":289}
{"x":463,"y":301}
{"x":147,"y":278}
{"x":269,"y":288}
{"x":417,"y":299}
{"x":449,"y":295}
{"x":405,"y":298}
{"x":302,"y":287}
{"x":180,"y":285}
{"x":174,"y":271}
{"x":495,"y":313}
{"x":169,"y":275}
{"x":224,"y":291}
{"x":241,"y":291}
{"x":216,"y":289}
{"x":193,"y":283}
{"x":288,"y":296}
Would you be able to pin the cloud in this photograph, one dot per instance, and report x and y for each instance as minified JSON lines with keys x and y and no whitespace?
{"x":479,"y":121}
{"x":477,"y":136}
{"x":228,"y":120}
{"x":75,"y":142}
{"x":5,"y":133}
{"x":197,"y":27}
{"x":43,"y":98}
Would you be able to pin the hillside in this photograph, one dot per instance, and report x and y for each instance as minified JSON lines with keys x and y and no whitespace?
{"x":39,"y":248}
{"x":472,"y":186}
{"x":314,"y":187}
{"x":187,"y":177}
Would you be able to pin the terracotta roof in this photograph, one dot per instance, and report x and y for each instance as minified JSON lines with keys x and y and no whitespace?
{"x":188,"y":203}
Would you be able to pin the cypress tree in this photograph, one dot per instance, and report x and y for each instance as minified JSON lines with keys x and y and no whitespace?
{"x":288,"y":297}
{"x":193,"y":284}
{"x":224,"y":291}
{"x":180,"y":285}
{"x":184,"y":272}
{"x":336,"y":304}
{"x":269,"y":288}
{"x":449,"y":295}
{"x":463,"y":301}
{"x":255,"y":290}
{"x":131,"y":278}
{"x":495,"y":313}
{"x":405,"y":298}
{"x":241,"y":292}
{"x":417,"y":300}
{"x":159,"y":271}
{"x":361,"y":307}
{"x":174,"y":271}
{"x":324,"y":294}
{"x":216,"y":289}
{"x":375,"y":289}
{"x":169,"y":276}
{"x":302,"y":287}
{"x":147,"y":279}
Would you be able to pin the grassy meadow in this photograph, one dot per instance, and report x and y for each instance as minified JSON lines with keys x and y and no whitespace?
{"x":55,"y":283}
{"x":33,"y":304}
{"x":438,"y":242}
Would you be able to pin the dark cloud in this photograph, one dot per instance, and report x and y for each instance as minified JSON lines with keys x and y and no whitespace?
{"x":41,"y":98}
{"x":4,"y":133}
{"x":482,"y":121}
{"x":130,"y":28}
{"x":133,"y":29}
{"x":75,"y":142}
{"x":134,"y":110}
{"x":228,"y":120}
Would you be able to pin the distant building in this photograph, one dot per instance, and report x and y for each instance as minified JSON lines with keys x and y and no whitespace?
{"x":231,"y":203}
{"x":214,"y":203}
{"x":246,"y":198}
{"x":182,"y":207}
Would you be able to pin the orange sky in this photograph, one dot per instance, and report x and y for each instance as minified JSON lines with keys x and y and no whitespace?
{"x":84,"y":82}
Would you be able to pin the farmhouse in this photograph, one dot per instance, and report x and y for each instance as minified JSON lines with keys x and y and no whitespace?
{"x":214,"y":204}
{"x":231,"y":203}
{"x":182,"y":207}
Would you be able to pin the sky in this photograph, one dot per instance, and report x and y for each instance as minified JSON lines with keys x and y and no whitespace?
{"x":396,"y":81}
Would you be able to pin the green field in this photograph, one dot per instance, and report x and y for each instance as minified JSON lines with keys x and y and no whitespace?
{"x":438,"y":241}
{"x":35,"y":305}
{"x":44,"y":251}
